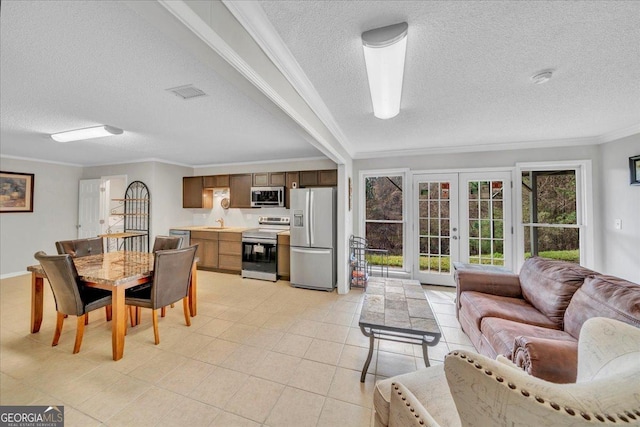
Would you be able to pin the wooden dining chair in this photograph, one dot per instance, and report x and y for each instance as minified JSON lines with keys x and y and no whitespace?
{"x":171,"y":280}
{"x":72,"y":297}
{"x":80,"y":248}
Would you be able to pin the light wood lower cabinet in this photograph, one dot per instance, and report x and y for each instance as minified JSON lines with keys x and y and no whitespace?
{"x":218,"y":250}
{"x":230,"y":251}
{"x":283,"y":256}
{"x":207,"y":248}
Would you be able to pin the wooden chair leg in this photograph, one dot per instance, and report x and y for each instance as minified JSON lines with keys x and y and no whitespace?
{"x":185,"y":307}
{"x":58,"y":331}
{"x":163,"y":311}
{"x":132,"y":315}
{"x":138,"y":315}
{"x":79,"y":333}
{"x":108,"y":312}
{"x":86,"y":318}
{"x":156,"y":334}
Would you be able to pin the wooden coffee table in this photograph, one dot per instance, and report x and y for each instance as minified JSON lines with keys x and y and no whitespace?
{"x":397,"y":310}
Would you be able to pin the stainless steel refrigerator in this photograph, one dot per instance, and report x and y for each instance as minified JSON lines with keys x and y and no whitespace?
{"x":313,"y":238}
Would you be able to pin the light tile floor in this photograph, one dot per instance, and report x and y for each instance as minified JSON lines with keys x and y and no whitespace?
{"x":258,"y":353}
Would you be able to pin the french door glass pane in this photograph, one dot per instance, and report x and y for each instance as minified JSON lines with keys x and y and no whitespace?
{"x":434,"y":239}
{"x":486,"y":228}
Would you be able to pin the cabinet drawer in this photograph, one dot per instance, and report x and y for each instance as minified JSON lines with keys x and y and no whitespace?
{"x":230,"y":237}
{"x":229,"y":248}
{"x":206,"y":235}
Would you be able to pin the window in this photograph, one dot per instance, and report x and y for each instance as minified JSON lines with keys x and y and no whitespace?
{"x":384,"y":217}
{"x":555,"y":203}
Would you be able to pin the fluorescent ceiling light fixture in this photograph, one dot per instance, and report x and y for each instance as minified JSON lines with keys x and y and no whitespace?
{"x":384,"y":52}
{"x":86,"y":133}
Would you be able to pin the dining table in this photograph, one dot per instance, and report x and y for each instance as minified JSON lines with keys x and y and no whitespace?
{"x":112,"y":271}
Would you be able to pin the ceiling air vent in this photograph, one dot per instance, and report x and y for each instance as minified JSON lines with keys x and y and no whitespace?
{"x":187,"y":92}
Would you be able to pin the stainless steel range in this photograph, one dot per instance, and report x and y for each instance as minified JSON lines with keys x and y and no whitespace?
{"x":260,"y":248}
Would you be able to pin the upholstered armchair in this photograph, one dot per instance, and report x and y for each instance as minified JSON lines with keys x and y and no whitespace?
{"x":473,"y":390}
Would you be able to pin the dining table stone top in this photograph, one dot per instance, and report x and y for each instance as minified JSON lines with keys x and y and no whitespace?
{"x":398,"y":305}
{"x":111,"y":268}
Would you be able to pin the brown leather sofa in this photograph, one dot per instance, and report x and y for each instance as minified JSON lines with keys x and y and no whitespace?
{"x":534,"y":318}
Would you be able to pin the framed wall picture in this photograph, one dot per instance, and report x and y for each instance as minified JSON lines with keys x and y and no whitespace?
{"x":16,"y":192}
{"x":634,"y":170}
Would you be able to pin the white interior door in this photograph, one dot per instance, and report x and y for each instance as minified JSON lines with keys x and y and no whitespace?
{"x":89,"y":208}
{"x":461,"y":217}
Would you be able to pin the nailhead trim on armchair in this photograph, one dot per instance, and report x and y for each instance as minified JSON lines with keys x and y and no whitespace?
{"x":600,"y":417}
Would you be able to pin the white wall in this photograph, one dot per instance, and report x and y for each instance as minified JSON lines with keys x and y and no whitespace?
{"x":621,"y":248}
{"x":164,"y":182}
{"x":54,"y":216}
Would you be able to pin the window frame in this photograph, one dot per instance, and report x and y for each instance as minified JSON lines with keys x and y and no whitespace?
{"x":362,"y":220}
{"x":584,"y":206}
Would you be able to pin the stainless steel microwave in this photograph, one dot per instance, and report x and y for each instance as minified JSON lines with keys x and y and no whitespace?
{"x":263,"y":197}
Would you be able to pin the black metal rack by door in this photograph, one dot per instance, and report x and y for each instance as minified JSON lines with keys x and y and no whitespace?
{"x":137,"y":207}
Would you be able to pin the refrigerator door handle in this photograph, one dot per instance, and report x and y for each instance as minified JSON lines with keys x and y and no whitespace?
{"x":311,"y":251}
{"x":308,"y":212}
{"x":312,"y":214}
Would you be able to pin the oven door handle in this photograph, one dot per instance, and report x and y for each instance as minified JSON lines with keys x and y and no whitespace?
{"x":257,"y":240}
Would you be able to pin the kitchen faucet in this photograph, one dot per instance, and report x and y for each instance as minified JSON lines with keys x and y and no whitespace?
{"x":221,"y":221}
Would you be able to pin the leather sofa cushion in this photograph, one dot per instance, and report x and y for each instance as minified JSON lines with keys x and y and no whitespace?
{"x":549,"y":285}
{"x":502,"y":333}
{"x":480,"y":305}
{"x":429,"y":386}
{"x":603,"y":296}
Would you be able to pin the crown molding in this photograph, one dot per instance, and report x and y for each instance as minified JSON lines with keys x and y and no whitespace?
{"x":620,"y":133}
{"x":263,"y":162}
{"x":523,"y":145}
{"x":35,"y":159}
{"x":253,"y":18}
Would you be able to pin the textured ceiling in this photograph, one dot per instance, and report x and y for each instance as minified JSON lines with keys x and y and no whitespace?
{"x":72,"y":64}
{"x":68,"y":64}
{"x":468,"y":69}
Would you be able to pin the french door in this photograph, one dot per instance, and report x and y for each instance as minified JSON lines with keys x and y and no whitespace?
{"x":461,"y":217}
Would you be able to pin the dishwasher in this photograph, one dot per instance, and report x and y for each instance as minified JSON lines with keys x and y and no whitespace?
{"x":184,"y":234}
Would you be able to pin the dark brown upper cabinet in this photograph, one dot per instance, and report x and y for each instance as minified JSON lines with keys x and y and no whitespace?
{"x":194,"y":195}
{"x":240,"y":190}
{"x":216,"y":181}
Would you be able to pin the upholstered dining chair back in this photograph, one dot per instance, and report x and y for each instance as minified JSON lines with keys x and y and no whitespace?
{"x":63,"y":278}
{"x":163,"y":243}
{"x":81,"y":247}
{"x":171,"y":276}
{"x":72,"y":297}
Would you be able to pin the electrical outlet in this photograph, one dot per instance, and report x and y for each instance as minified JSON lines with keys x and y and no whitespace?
{"x":618,"y":224}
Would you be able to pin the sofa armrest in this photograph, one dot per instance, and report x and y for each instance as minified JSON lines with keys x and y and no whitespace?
{"x":502,"y":284}
{"x":552,"y":360}
{"x":406,"y":410}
